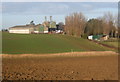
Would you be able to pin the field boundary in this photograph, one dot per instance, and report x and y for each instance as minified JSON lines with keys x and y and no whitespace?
{"x":105,"y":45}
{"x":71,"y":54}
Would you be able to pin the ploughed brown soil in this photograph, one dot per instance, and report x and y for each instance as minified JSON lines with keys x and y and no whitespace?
{"x":61,"y":67}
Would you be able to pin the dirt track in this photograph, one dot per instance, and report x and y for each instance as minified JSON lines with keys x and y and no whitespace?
{"x":61,"y":67}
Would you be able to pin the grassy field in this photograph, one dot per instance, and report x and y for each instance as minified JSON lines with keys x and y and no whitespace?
{"x":44,"y":43}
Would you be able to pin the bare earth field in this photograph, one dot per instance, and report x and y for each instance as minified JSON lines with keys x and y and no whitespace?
{"x":65,"y":66}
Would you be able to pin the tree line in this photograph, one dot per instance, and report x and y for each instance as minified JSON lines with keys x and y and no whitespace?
{"x":76,"y":24}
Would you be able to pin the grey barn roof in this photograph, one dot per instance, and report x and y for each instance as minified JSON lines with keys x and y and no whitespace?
{"x":24,"y":26}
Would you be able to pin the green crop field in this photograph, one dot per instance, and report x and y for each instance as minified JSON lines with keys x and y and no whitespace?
{"x":46,"y":43}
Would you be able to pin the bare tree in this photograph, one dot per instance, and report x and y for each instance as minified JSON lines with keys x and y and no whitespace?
{"x":108,"y":23}
{"x":75,"y":24}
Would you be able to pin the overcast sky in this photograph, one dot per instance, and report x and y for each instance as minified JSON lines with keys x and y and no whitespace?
{"x":21,"y":13}
{"x":60,"y":0}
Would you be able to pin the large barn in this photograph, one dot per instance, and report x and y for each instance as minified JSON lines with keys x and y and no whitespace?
{"x":22,"y":29}
{"x":28,"y":29}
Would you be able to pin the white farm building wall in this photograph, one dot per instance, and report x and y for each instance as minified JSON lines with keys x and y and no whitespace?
{"x":23,"y":29}
{"x":90,"y":37}
{"x":45,"y":31}
{"x":20,"y":31}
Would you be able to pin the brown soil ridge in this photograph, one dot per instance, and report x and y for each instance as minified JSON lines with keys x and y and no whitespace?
{"x":88,"y":53}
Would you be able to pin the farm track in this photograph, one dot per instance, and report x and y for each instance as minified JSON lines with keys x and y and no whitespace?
{"x":105,"y":45}
{"x":70,"y":67}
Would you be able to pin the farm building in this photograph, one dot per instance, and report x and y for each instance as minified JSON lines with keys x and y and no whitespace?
{"x":28,"y":29}
{"x":51,"y":25}
{"x":98,"y":37}
{"x":23,"y":29}
{"x":45,"y":27}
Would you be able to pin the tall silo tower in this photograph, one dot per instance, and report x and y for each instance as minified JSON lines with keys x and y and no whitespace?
{"x":50,"y":18}
{"x":45,"y":18}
